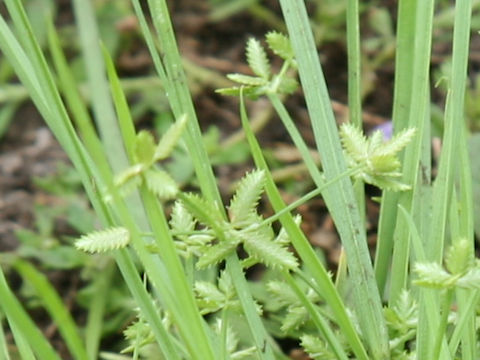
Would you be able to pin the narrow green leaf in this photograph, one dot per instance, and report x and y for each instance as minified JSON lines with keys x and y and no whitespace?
{"x":23,"y":324}
{"x":55,"y":307}
{"x":302,"y":245}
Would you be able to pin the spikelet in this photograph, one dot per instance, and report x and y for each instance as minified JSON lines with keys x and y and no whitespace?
{"x":104,"y":240}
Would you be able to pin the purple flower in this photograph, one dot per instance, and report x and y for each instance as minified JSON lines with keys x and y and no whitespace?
{"x":386,"y":128}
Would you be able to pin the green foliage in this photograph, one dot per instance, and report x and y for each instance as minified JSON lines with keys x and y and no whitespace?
{"x":232,"y":342}
{"x":170,"y":139}
{"x":141,"y":338}
{"x":205,"y":235}
{"x":212,"y":298}
{"x":257,"y":59}
{"x":280,"y":45}
{"x":374,"y":160}
{"x":461,"y":269}
{"x":296,"y":317}
{"x":245,"y":227}
{"x":402,"y":322}
{"x":316,"y":348}
{"x":264,"y":82}
{"x":243,"y":206}
{"x":144,"y":170}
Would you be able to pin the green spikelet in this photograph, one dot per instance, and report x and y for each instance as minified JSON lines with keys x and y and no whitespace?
{"x":104,"y":240}
{"x":160,"y":183}
{"x":280,"y":45}
{"x":262,"y":248}
{"x":316,"y":348}
{"x":376,"y":161}
{"x":459,"y":257}
{"x":257,"y":58}
{"x":244,"y":203}
{"x":170,"y":139}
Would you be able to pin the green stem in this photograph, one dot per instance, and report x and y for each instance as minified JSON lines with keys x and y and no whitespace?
{"x":307,"y":197}
{"x":318,"y":320}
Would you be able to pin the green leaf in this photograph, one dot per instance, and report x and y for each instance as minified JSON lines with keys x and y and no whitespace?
{"x":257,"y":59}
{"x":280,"y":45}
{"x":104,"y":240}
{"x":144,"y":148}
{"x":160,"y":183}
{"x":247,"y":195}
{"x":247,"y":80}
{"x":170,"y":139}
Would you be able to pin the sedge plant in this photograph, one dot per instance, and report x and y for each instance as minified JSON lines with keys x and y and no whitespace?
{"x":418,"y":298}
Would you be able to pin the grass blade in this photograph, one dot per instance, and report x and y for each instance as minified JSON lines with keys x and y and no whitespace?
{"x":303,"y":247}
{"x":20,"y":321}
{"x":340,"y":200}
{"x":54,"y":305}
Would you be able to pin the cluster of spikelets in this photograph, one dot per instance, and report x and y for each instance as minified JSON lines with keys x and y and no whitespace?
{"x":218,"y":237}
{"x":375,"y":161}
{"x":264,"y":81}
